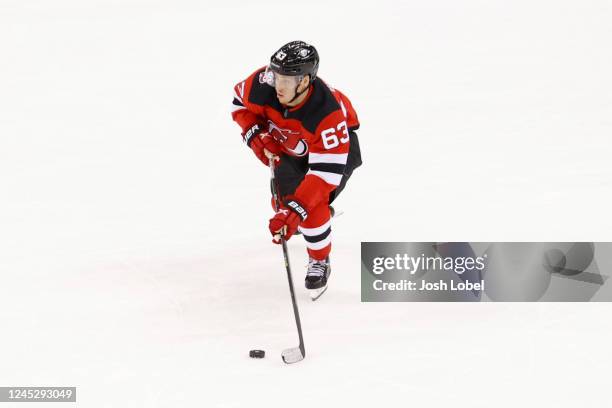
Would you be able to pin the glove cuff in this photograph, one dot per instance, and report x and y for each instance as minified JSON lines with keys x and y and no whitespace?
{"x":294,"y":205}
{"x":250,"y":133}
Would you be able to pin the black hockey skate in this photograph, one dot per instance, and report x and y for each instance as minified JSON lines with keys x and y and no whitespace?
{"x":316,"y":277}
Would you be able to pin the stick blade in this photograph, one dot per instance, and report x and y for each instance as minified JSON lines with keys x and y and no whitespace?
{"x":316,"y":293}
{"x":292,"y":355}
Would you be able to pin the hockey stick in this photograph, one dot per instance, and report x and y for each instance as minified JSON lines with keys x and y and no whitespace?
{"x":291,"y":355}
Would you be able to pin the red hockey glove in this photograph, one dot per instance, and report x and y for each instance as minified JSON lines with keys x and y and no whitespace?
{"x":261,"y":142}
{"x":287,"y":219}
{"x":292,"y":141}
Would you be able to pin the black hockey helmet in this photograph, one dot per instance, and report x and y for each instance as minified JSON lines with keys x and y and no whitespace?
{"x":296,"y":58}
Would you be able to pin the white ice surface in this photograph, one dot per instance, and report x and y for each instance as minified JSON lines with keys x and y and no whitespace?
{"x":135,"y":261}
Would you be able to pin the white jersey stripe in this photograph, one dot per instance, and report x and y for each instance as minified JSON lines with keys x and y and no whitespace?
{"x":236,"y":108}
{"x":241,"y":87}
{"x":328,"y":158}
{"x":330,"y":178}
{"x":237,"y":96}
{"x":343,"y":109}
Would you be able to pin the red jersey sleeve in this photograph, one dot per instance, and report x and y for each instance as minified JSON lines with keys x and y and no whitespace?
{"x":244,"y":113}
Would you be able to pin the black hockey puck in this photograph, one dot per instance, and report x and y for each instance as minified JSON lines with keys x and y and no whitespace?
{"x":257,"y":354}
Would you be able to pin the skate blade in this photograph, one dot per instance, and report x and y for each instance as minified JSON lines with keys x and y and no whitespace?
{"x":292,"y":355}
{"x":316,"y":293}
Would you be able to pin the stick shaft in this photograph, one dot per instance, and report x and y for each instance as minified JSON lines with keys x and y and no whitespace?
{"x":296,"y":313}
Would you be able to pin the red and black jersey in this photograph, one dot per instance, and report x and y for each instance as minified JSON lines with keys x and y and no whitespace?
{"x":323,"y":120}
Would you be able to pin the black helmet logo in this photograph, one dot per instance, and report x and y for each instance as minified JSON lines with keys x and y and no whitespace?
{"x":281,"y":55}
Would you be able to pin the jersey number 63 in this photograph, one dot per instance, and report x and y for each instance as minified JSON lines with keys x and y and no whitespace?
{"x":330,"y":139}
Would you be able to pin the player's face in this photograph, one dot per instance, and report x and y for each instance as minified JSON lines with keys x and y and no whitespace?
{"x":285,"y":87}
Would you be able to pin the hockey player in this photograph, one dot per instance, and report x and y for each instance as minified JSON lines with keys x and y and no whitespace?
{"x":287,"y":112}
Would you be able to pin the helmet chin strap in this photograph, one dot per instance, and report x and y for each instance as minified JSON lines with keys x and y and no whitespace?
{"x":297,"y":94}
